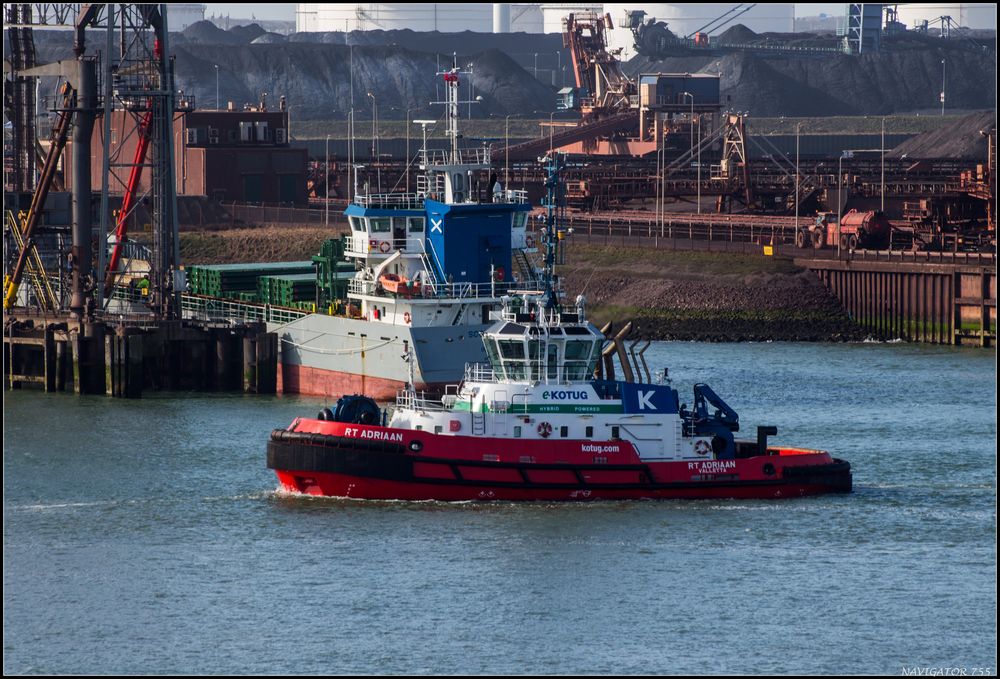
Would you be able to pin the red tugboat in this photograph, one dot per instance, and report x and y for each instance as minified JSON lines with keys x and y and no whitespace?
{"x":532,"y":426}
{"x":536,"y":424}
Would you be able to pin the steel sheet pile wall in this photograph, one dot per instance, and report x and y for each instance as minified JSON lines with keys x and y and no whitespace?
{"x":940,"y":303}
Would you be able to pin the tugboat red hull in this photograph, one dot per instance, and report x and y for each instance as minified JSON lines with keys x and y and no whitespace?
{"x":333,"y":459}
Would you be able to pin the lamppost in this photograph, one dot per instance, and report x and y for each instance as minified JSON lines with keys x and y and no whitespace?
{"x":506,"y":149}
{"x":408,"y":148}
{"x":326,"y":185}
{"x":942,"y":85}
{"x":378,"y":170}
{"x":882,"y":154}
{"x":423,"y":124}
{"x":699,"y":160}
{"x":688,"y":94}
{"x":218,"y":104}
{"x":350,"y":154}
{"x":797,"y":126}
{"x":551,"y":125}
{"x":659,"y":178}
{"x":840,"y":189}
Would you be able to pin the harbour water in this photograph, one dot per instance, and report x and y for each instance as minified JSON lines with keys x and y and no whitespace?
{"x":147,"y":537}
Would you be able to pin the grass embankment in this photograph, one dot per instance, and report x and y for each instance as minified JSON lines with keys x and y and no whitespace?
{"x":705,"y":296}
{"x":266,"y":244}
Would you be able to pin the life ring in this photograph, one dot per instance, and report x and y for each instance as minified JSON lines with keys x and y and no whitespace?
{"x":499,"y":273}
{"x":544,"y":430}
{"x":702,"y":447}
{"x":529,"y":241}
{"x":406,"y":318}
{"x":384,"y":246}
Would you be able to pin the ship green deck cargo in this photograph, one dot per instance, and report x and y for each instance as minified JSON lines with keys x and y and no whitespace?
{"x":229,"y":280}
{"x":287,"y":289}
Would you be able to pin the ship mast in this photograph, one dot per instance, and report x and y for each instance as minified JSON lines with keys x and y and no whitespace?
{"x":553,"y":201}
{"x":452,"y":83}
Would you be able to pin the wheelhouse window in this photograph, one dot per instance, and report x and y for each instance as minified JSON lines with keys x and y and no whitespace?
{"x":511,"y":349}
{"x":552,"y":361}
{"x":494,"y":358}
{"x":380,"y":224}
{"x":415,"y":224}
{"x":578,"y":359}
{"x":357,"y":224}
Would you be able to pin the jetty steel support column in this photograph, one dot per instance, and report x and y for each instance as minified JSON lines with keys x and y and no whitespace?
{"x":83,"y":129}
{"x":50,"y":359}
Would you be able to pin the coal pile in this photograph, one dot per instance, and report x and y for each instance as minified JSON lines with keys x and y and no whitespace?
{"x":315,"y":79}
{"x":964,"y":139}
{"x":207,"y":33}
{"x":735,"y":35}
{"x":904,"y":77}
{"x":312,"y":71}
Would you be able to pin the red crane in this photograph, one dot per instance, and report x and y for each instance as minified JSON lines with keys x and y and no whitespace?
{"x":128,"y":201}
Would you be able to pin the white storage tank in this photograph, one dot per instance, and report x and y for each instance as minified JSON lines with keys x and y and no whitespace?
{"x":417,"y":16}
{"x":683,"y":19}
{"x":180,"y":15}
{"x":969,"y":15}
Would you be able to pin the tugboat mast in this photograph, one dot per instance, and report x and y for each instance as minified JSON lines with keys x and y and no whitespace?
{"x":553,"y":201}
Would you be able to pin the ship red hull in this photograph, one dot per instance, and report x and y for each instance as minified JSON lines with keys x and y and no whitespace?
{"x":341,"y":460}
{"x":300,"y":379}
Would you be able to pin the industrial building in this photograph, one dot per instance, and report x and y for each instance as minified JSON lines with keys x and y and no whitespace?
{"x":240,"y":155}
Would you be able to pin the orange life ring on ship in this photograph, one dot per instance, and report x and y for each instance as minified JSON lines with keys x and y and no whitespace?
{"x":702,"y":447}
{"x":499,"y":273}
{"x":544,"y":430}
{"x":406,"y":318}
{"x":384,"y":246}
{"x":529,"y":241}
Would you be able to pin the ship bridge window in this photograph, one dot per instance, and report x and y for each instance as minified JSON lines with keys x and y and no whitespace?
{"x":552,"y":361}
{"x":578,"y":351}
{"x":493,"y":355}
{"x":357,"y":224}
{"x":520,"y":220}
{"x":578,"y":360}
{"x":415,"y":224}
{"x":380,"y":224}
{"x":511,"y":349}
{"x":533,"y":350}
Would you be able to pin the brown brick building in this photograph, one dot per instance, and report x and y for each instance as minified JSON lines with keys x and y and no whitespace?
{"x":234,"y":155}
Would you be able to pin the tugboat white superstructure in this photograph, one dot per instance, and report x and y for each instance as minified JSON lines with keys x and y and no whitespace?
{"x":540,"y":422}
